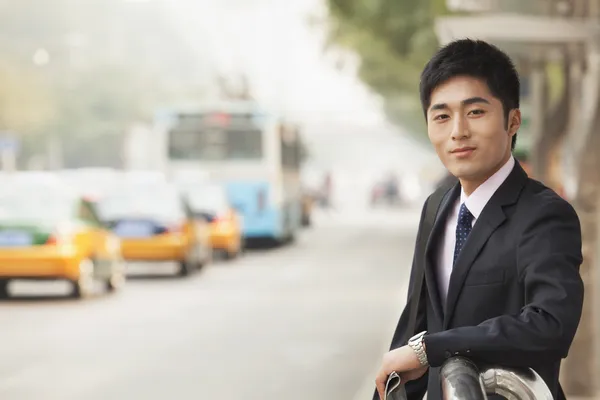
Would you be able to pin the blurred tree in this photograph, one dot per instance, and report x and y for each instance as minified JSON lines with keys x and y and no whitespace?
{"x":393,"y":39}
{"x":25,"y":102}
{"x":95,"y":112}
{"x":304,"y":152}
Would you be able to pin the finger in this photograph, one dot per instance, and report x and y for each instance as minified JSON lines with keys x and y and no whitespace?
{"x":380,"y":382}
{"x":381,"y":392}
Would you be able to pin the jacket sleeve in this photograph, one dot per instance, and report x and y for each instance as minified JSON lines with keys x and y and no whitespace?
{"x":548,"y":261}
{"x":415,"y":390}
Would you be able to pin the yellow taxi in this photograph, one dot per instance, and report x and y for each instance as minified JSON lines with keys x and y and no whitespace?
{"x":48,"y":231}
{"x":155,"y":224}
{"x":209,"y":202}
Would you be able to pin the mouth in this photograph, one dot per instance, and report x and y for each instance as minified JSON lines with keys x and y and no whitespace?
{"x":463,"y":153}
{"x":463,"y":150}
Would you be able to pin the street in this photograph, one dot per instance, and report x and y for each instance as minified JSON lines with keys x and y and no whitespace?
{"x":305,"y":321}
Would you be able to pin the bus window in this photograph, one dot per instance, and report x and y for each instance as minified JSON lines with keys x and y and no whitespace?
{"x":214,"y":144}
{"x":244,"y":144}
{"x":182,"y":144}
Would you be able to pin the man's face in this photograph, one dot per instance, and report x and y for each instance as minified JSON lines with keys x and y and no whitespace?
{"x":466,"y":125}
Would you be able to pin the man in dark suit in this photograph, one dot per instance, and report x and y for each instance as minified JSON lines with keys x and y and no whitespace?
{"x":502,"y":283}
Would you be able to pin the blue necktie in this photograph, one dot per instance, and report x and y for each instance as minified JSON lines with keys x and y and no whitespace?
{"x":463,"y":228}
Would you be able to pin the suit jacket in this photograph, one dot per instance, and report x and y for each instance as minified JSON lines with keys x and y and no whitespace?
{"x":515,"y":294}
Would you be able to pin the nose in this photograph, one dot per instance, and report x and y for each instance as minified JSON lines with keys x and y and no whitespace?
{"x":460,"y":129}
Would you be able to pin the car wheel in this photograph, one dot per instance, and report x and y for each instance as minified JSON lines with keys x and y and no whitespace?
{"x":4,"y":288}
{"x":186,"y":265}
{"x":83,"y":287}
{"x":117,"y":277}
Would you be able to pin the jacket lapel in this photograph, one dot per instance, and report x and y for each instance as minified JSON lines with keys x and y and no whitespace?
{"x":433,"y":244}
{"x":489,"y":220}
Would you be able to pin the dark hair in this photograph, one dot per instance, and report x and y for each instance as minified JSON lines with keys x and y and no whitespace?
{"x":478,"y":59}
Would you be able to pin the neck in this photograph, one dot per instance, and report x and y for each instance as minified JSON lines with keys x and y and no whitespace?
{"x":470,"y":185}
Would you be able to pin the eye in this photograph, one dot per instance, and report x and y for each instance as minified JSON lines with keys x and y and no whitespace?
{"x":477,"y":112}
{"x":440,"y":117}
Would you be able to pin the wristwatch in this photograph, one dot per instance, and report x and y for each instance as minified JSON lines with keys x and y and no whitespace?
{"x":416,"y":343}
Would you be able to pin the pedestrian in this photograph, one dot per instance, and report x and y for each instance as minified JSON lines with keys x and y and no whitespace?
{"x":495,"y":276}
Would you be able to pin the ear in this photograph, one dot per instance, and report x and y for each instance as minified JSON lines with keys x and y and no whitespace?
{"x":514,"y":121}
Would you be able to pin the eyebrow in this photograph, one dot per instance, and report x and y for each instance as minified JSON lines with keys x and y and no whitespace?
{"x":466,"y":102}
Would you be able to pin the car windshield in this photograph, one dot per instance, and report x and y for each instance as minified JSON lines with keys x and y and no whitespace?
{"x":207,"y":199}
{"x":32,"y":203}
{"x":161,"y":202}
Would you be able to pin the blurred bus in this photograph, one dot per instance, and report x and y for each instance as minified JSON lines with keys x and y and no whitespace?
{"x":254,"y":154}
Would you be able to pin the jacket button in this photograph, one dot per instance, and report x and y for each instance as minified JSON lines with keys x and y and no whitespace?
{"x":447,"y":354}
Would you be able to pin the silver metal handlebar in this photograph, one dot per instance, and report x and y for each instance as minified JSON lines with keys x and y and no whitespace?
{"x":462,"y":380}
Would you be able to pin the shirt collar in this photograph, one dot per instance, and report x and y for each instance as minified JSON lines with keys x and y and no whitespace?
{"x":480,"y":197}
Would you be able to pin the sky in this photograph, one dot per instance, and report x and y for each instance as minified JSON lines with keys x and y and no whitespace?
{"x":272,"y":42}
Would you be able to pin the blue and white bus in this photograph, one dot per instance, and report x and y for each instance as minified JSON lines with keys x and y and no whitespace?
{"x":255,"y":154}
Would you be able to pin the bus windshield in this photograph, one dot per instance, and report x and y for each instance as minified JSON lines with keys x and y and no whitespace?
{"x":194,"y":139}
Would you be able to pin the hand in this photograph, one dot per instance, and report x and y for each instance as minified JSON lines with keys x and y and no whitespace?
{"x":405,"y":362}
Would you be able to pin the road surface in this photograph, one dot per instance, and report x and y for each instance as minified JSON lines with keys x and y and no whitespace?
{"x":306,"y":321}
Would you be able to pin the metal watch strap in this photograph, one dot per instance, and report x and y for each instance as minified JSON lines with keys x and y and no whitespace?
{"x":416,"y":343}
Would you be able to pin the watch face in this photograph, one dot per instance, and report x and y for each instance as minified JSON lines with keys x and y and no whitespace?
{"x":418,"y":336}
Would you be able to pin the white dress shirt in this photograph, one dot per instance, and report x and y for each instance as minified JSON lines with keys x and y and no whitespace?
{"x":475,"y":203}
